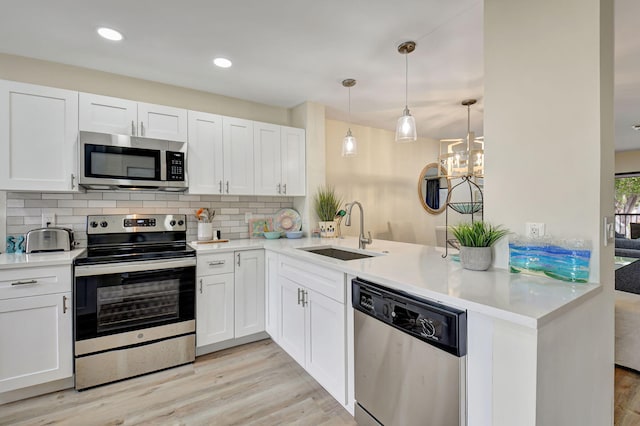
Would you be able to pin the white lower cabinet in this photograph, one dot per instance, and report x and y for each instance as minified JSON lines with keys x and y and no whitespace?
{"x":230,"y":300}
{"x":214,"y":320}
{"x":35,"y":327}
{"x":272,"y":294}
{"x":313,"y":322}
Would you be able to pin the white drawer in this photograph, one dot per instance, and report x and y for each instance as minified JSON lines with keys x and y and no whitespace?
{"x":215,"y":263}
{"x":21,"y":282}
{"x":322,"y":280}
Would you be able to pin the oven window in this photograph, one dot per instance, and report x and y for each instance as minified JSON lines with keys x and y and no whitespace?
{"x":140,"y":303}
{"x":121,"y":162}
{"x":115,"y":303}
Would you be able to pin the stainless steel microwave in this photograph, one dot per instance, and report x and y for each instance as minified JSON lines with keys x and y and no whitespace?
{"x":125,"y":162}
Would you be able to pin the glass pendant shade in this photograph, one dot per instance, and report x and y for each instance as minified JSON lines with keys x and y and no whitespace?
{"x":463,"y":157}
{"x":349,"y":145}
{"x":406,"y":128}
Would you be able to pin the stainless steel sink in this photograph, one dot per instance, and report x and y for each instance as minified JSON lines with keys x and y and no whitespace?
{"x":337,"y":253}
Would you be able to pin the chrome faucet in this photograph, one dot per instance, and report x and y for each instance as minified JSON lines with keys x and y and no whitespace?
{"x":362,"y":240}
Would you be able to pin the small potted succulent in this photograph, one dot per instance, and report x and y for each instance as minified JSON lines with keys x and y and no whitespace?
{"x":327,"y":204}
{"x":475,"y":241}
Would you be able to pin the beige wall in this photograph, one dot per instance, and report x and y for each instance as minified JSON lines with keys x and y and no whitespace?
{"x":548,"y":123}
{"x":53,"y":74}
{"x":627,"y":161}
{"x":384,"y":178}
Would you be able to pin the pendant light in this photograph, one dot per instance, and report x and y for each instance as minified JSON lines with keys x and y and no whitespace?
{"x":349,"y":143}
{"x":406,"y":127}
{"x":463,"y":157}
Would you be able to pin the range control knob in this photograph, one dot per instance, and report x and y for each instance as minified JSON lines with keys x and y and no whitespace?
{"x":181,"y":222}
{"x":104,"y":224}
{"x":93,"y":224}
{"x":172,"y":223}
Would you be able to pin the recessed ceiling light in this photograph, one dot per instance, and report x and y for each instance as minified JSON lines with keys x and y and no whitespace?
{"x":110,"y":34}
{"x":222,"y":62}
{"x":636,"y":127}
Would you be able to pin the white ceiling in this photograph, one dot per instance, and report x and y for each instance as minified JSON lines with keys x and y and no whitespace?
{"x":286,"y":52}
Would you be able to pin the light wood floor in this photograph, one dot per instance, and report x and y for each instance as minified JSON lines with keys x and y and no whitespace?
{"x":627,"y":397}
{"x":254,"y":384}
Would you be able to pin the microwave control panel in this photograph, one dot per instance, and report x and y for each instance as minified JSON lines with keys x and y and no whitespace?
{"x":175,"y":166}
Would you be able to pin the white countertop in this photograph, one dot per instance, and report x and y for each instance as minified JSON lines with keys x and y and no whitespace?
{"x":12,"y":260}
{"x":527,"y":300}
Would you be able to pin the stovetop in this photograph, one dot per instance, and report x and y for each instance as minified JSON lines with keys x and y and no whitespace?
{"x":126,"y":253}
{"x":135,"y":237}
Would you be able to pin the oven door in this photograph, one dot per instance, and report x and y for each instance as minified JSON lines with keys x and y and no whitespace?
{"x":119,"y":297}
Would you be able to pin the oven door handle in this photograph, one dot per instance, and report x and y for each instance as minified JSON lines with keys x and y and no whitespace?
{"x":138,"y":266}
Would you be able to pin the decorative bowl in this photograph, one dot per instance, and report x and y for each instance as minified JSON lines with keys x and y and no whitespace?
{"x":272,"y":235}
{"x":294,"y":234}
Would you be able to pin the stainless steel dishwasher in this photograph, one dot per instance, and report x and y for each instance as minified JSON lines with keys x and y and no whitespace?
{"x":410,"y":359}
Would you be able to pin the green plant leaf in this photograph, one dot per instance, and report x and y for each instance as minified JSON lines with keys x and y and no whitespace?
{"x":326,"y":203}
{"x":477,"y":234}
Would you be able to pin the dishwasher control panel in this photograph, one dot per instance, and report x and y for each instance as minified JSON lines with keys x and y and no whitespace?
{"x":432,"y":322}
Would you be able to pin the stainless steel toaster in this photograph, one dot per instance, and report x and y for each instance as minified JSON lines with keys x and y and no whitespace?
{"x":49,"y":239}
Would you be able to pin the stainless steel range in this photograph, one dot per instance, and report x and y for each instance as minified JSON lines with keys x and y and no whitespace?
{"x":134,"y":298}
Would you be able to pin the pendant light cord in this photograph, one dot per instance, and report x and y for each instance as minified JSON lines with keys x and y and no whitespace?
{"x":406,"y":81}
{"x":349,"y":108}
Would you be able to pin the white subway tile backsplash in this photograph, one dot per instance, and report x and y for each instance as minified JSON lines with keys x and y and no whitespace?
{"x":73,"y":203}
{"x":115,"y":196}
{"x":102,"y":203}
{"x":54,"y":196}
{"x":142,"y":196}
{"x":24,"y":210}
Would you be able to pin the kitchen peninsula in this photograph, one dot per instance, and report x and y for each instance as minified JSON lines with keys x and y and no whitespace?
{"x":517,"y":324}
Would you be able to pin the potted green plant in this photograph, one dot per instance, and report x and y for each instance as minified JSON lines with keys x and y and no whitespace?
{"x":327,"y":203}
{"x":475,"y":241}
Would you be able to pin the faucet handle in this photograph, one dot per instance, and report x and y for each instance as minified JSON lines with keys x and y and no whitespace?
{"x":366,"y":240}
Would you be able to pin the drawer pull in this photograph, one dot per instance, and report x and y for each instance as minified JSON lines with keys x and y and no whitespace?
{"x":217,"y":263}
{"x":25,"y":282}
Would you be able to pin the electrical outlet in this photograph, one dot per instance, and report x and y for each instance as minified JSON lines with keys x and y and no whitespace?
{"x":248,"y":217}
{"x":48,"y":219}
{"x":534,"y":230}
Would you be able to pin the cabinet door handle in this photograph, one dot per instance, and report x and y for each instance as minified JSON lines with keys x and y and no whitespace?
{"x":64,"y":304}
{"x":73,"y":181}
{"x":24,"y":282}
{"x":284,"y":189}
{"x":141,"y":128}
{"x":305,"y":298}
{"x":217,"y":263}
{"x":238,"y":259}
{"x":279,"y":189}
{"x":133,"y":128}
{"x":299,"y":293}
{"x":220,"y":187}
{"x":227,"y":187}
{"x":200,"y":285}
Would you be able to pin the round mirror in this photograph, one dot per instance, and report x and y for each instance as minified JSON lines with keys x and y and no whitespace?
{"x":433,"y":190}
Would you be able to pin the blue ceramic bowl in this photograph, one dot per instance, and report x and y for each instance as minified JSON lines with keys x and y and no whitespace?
{"x":272,"y":235}
{"x":294,"y":234}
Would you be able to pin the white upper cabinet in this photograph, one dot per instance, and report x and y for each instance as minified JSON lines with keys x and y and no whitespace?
{"x":292,"y":152}
{"x":162,"y":122}
{"x":237,"y":137}
{"x":38,"y":137}
{"x":280,"y":160}
{"x":268,"y":166}
{"x":205,"y":156}
{"x":105,"y":114}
